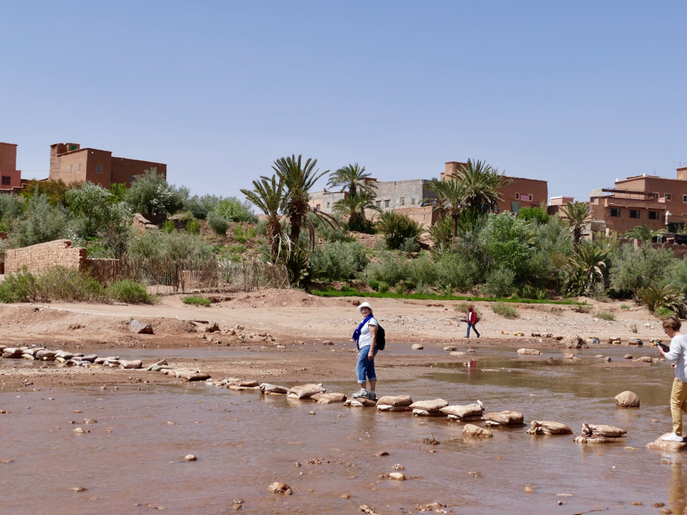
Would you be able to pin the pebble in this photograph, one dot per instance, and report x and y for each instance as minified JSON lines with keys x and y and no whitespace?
{"x":658,"y":504}
{"x":79,"y":430}
{"x":398,"y":466}
{"x":90,"y":421}
{"x":637,"y":503}
{"x":7,"y":461}
{"x":417,"y":346}
{"x":190,"y":457}
{"x":382,"y":453}
{"x":312,"y":413}
{"x":77,"y":489}
{"x":529,"y":490}
{"x":345,"y":496}
{"x":474,"y":473}
{"x":665,"y":511}
{"x":398,"y":476}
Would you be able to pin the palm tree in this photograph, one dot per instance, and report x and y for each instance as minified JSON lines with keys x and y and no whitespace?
{"x":298,"y":178}
{"x":587,"y":266}
{"x":354,"y":206}
{"x":577,"y":215}
{"x":481,"y":183}
{"x":268,"y":196}
{"x":643,"y":233}
{"x":451,"y":197}
{"x":352,"y":178}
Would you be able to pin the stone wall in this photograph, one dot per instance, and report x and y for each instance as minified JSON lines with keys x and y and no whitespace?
{"x":37,"y":258}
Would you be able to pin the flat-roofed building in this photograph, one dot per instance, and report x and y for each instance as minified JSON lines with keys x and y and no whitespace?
{"x":73,"y":164}
{"x":10,"y":177}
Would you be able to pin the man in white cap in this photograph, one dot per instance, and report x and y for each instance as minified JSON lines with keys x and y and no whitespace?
{"x":366,"y":340}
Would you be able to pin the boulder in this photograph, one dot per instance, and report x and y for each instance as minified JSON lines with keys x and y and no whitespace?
{"x":504,"y":418}
{"x":457,"y":353}
{"x":360,"y":402}
{"x":304,"y":391}
{"x":273,"y":389}
{"x":627,"y":399}
{"x":386,"y":407}
{"x":140,"y":328}
{"x":12,"y":353}
{"x":191,"y":374}
{"x":430,"y":405}
{"x":574,"y":342}
{"x":601,"y":431}
{"x":635,"y":341}
{"x":329,"y":398}
{"x":417,"y":346}
{"x":529,"y":352}
{"x":645,"y":359}
{"x":548,"y":428}
{"x":240,"y":384}
{"x":450,"y":348}
{"x":134,"y":363}
{"x":395,"y":400}
{"x":473,"y":431}
{"x":280,"y":488}
{"x":597,"y":439}
{"x":662,"y":445}
{"x":463,"y":412}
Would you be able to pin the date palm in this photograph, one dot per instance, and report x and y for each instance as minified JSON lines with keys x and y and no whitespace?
{"x":298,"y":178}
{"x":586,"y":267}
{"x":577,"y":215}
{"x":353,"y":207}
{"x":353,"y":179}
{"x":268,"y":196}
{"x":451,"y":194}
{"x":643,"y":233}
{"x":481,"y":183}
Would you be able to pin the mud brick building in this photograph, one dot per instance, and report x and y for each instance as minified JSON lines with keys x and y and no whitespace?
{"x":73,"y":164}
{"x":10,"y":177}
{"x":519,"y":193}
{"x":641,"y":200}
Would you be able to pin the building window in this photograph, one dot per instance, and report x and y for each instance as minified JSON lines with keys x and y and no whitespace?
{"x":379,"y":203}
{"x":403,"y":201}
{"x":668,"y":196}
{"x":517,"y":196}
{"x":615,"y":211}
{"x":386,"y":203}
{"x":79,"y":168}
{"x":99,"y":168}
{"x":634,"y":213}
{"x":529,"y":197}
{"x":653,"y":215}
{"x":412,"y":201}
{"x":71,"y":168}
{"x":111,"y":176}
{"x":684,"y":198}
{"x":6,"y":180}
{"x":328,"y":205}
{"x":131,"y":178}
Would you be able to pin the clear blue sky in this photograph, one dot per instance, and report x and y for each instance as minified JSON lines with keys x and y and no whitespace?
{"x":574,"y":92}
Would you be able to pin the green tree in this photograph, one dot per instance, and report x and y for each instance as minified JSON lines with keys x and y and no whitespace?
{"x":509,"y":243}
{"x":353,"y":207}
{"x":533,"y":213}
{"x":150,"y":194}
{"x":451,"y":195}
{"x":352,"y":178}
{"x":643,"y":233}
{"x":577,"y":215}
{"x":397,"y":228}
{"x":633,"y":270}
{"x":268,"y":195}
{"x":298,"y":178}
{"x":481,"y":183}
{"x":42,"y":223}
{"x":53,"y":190}
{"x":585,"y":269}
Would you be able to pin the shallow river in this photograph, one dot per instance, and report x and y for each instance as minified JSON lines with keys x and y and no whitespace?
{"x":131,"y":461}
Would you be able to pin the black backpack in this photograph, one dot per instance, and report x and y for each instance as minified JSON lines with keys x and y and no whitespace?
{"x":381,"y":337}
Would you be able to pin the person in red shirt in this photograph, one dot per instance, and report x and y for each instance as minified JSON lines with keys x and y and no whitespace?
{"x":472,"y":320}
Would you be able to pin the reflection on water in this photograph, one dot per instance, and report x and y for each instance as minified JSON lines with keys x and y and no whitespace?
{"x":134,"y":454}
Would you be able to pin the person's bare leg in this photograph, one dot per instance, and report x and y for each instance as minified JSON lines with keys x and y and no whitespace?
{"x":372,"y":385}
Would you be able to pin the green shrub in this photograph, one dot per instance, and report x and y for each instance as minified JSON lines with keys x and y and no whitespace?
{"x":410,"y":245}
{"x":374,"y":284}
{"x":218,"y":223}
{"x":196,"y":300}
{"x":383,"y":287}
{"x":458,"y":272}
{"x":401,"y":288}
{"x":500,"y":282}
{"x":668,"y":297}
{"x":624,"y":306}
{"x":42,"y":223}
{"x":193,"y":226}
{"x":338,"y":261}
{"x":391,"y":268}
{"x":130,"y":292}
{"x":397,"y":228}
{"x":54,"y":284}
{"x":664,"y":313}
{"x":605,"y":315}
{"x":168,"y":227}
{"x":504,"y":310}
{"x":151,"y":194}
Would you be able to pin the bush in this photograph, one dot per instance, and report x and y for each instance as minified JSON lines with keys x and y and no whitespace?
{"x":410,"y":245}
{"x":667,"y":298}
{"x":423,"y":270}
{"x":168,"y":227}
{"x":218,"y":223}
{"x":500,"y":282}
{"x":176,"y":246}
{"x":504,"y":310}
{"x":337,"y":261}
{"x":633,"y":269}
{"x":54,"y":284}
{"x":193,"y":226}
{"x":397,"y":228}
{"x":664,"y":313}
{"x":197,"y":301}
{"x":383,"y":287}
{"x":130,"y":292}
{"x":374,"y":284}
{"x":605,"y":315}
{"x":150,"y":194}
{"x":391,"y":268}
{"x":42,"y":223}
{"x":533,"y":213}
{"x":458,"y":272}
{"x":200,"y":207}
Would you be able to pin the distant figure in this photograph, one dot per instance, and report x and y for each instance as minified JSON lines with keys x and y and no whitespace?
{"x":365,"y":337}
{"x":678,"y":396}
{"x":472,"y":320}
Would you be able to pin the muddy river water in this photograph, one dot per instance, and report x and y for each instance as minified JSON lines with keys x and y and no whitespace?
{"x":132,"y":459}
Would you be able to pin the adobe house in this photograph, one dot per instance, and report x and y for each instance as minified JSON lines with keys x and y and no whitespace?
{"x":642,"y":200}
{"x":72,"y":164}
{"x":10,"y":177}
{"x":519,"y":193}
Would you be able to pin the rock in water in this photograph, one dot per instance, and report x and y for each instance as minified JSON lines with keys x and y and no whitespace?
{"x":473,"y":431}
{"x":627,"y":399}
{"x":280,"y":488}
{"x":140,"y":328}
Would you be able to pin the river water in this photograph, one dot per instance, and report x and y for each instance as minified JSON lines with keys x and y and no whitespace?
{"x":132,"y":460}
